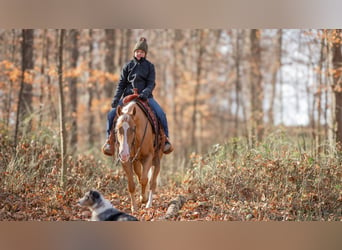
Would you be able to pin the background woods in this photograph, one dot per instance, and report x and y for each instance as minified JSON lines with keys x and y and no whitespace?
{"x":217,"y":87}
{"x":217,"y":84}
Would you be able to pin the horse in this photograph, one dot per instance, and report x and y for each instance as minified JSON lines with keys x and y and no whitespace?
{"x":136,"y":151}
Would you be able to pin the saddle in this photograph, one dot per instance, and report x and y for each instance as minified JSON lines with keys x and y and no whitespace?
{"x":155,"y":123}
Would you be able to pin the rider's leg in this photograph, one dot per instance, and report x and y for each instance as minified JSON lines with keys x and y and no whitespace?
{"x":108,"y":148}
{"x":163,"y":120}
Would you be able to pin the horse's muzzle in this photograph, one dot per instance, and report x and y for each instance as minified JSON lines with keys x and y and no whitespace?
{"x":124,"y":157}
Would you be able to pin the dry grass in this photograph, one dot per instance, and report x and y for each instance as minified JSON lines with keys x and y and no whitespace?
{"x":275,"y":180}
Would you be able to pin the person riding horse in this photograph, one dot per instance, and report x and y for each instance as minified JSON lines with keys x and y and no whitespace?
{"x":138,"y":73}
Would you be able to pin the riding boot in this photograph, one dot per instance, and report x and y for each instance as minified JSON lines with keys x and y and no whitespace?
{"x":109,"y":146}
{"x":168,"y":148}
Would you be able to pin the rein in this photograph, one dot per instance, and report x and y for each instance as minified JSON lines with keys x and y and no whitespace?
{"x":138,"y":151}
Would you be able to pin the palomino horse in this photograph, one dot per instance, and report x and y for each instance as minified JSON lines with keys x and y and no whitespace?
{"x":136,"y":151}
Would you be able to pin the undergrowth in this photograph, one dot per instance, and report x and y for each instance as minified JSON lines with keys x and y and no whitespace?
{"x":275,"y":180}
{"x":31,"y":173}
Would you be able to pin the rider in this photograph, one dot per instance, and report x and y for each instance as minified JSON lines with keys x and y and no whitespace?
{"x":138,"y":73}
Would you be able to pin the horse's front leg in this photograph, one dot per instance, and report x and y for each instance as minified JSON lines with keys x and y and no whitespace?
{"x":153,"y":181}
{"x":128,"y":168}
{"x":146,"y":165}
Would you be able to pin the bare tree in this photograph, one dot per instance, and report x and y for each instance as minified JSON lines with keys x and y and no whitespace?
{"x":257,"y":94}
{"x":128,"y":39}
{"x":318,"y":97}
{"x":8,"y":103}
{"x":42,"y":79}
{"x":199,"y":67}
{"x":25,"y":93}
{"x":74,"y":36}
{"x":90,"y":88}
{"x":63,"y":131}
{"x":109,"y":59}
{"x":237,"y":58}
{"x":275,"y":72}
{"x":337,"y":82}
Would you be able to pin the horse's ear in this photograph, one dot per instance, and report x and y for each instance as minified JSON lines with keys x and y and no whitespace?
{"x":119,"y":110}
{"x":133,"y":111}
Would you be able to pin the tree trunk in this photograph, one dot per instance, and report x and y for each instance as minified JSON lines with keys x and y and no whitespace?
{"x":25,"y":93}
{"x":122,"y":54}
{"x":199,"y":66}
{"x":63,"y":131}
{"x":52,"y":106}
{"x":237,"y":82}
{"x":337,"y":83}
{"x":8,"y":103}
{"x":109,"y":60}
{"x":42,"y":79}
{"x":73,"y":88}
{"x":91,"y":136}
{"x":318,"y":98}
{"x":129,"y":52}
{"x":275,"y":71}
{"x":257,"y":94}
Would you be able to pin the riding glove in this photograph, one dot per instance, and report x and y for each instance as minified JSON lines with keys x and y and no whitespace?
{"x":143,"y":97}
{"x":115,"y":103}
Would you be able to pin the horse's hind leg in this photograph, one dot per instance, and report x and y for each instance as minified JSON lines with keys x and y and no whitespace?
{"x":153,"y":181}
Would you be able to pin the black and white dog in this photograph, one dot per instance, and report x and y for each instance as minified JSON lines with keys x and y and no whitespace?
{"x":102,"y":209}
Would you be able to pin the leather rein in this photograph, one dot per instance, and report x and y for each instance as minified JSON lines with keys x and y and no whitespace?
{"x":131,"y":160}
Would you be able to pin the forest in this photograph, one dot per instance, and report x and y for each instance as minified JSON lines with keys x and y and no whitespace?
{"x":255,"y":117}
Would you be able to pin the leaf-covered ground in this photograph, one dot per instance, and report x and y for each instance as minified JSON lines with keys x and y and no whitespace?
{"x":268,"y":183}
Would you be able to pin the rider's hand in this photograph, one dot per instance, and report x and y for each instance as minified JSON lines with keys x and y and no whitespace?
{"x":143,"y":97}
{"x":115,"y":103}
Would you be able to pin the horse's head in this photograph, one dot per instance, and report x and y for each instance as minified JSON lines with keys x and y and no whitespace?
{"x":125,"y":131}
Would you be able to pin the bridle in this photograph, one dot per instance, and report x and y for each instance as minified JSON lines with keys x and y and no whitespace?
{"x":132,"y":159}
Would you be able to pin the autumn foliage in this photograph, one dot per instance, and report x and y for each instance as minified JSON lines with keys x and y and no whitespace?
{"x":276,"y":180}
{"x":254,"y":117}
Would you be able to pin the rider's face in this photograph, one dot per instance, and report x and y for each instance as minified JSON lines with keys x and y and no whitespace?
{"x":139,"y":54}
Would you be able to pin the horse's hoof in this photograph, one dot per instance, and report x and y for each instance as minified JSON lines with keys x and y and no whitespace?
{"x":143,"y":199}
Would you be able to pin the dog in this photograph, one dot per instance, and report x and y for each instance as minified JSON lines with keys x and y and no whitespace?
{"x":102,"y":209}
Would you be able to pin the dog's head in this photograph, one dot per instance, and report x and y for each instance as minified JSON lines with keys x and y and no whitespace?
{"x":90,"y":198}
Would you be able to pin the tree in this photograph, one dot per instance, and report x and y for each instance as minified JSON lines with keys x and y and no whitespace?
{"x":74,"y":34}
{"x":275,"y":71}
{"x":199,"y":68}
{"x":337,"y":82}
{"x":63,"y":135}
{"x":43,"y":78}
{"x":237,"y":58}
{"x":109,"y":59}
{"x":257,"y":94}
{"x":25,"y":94}
{"x":90,"y":87}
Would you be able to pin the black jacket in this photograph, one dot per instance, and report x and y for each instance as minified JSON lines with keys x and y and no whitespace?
{"x":136,"y":74}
